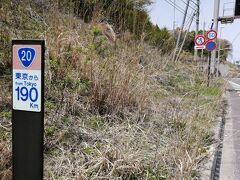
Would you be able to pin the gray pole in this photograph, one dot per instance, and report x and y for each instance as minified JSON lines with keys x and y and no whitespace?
{"x":174,"y":18}
{"x":203,"y":35}
{"x":219,"y":50}
{"x":197,"y":28}
{"x":184,"y":39}
{"x":180,"y":33}
{"x":215,"y":18}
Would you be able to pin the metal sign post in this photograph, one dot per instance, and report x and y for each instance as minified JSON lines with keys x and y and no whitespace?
{"x":209,"y":69}
{"x":209,"y":45}
{"x":28,"y":109}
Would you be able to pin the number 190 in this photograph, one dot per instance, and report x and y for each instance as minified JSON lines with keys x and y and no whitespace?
{"x":23,"y":94}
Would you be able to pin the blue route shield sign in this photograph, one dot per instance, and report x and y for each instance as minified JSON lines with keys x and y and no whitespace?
{"x":26,"y":56}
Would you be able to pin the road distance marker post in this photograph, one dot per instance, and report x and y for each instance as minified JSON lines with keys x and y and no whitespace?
{"x":28,"y":109}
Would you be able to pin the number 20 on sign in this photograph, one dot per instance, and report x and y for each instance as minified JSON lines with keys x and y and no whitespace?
{"x":27,"y":78}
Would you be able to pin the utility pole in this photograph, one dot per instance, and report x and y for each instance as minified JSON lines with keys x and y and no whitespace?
{"x":215,"y":19}
{"x":184,"y":39}
{"x":219,"y":50}
{"x":204,"y":24}
{"x":197,"y":28}
{"x":181,"y":30}
{"x":174,"y":19}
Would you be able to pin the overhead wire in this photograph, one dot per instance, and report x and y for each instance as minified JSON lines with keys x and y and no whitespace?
{"x":176,"y":6}
{"x":189,"y":5}
{"x":194,"y":2}
{"x":182,"y":11}
{"x":193,"y":8}
{"x":189,"y":21}
{"x":189,"y":27}
{"x":181,"y":8}
{"x":181,"y":30}
{"x":193,"y":14}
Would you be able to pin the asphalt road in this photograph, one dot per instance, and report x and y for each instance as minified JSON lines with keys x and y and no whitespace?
{"x":230,"y":165}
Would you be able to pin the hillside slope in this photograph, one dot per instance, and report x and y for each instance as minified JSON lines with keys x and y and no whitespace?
{"x":124,"y":112}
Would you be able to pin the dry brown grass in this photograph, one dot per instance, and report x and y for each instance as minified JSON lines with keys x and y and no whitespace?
{"x":118,"y":113}
{"x":138,"y":114}
{"x":5,"y":161}
{"x":113,"y":78}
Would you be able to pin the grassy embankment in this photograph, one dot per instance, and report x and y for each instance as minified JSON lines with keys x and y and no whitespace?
{"x":128,"y":113}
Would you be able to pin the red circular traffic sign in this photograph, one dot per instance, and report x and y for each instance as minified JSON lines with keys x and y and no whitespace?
{"x":200,"y":40}
{"x":210,"y":46}
{"x":212,"y":35}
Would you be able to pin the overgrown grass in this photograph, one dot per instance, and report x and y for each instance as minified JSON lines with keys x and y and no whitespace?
{"x":124,"y":112}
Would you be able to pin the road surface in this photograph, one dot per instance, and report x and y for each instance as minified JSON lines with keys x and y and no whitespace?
{"x":230,"y":165}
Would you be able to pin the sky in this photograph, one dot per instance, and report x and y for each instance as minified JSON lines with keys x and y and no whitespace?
{"x":162,"y":14}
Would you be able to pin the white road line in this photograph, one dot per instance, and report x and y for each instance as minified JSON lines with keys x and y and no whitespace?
{"x":234,"y":85}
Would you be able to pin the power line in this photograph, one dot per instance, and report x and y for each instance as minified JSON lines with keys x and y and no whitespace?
{"x":180,"y":32}
{"x":189,"y":16}
{"x":194,"y":3}
{"x":189,"y":27}
{"x":193,"y":14}
{"x":176,"y":7}
{"x":193,"y":8}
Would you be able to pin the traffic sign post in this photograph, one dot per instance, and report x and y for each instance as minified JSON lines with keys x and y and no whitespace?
{"x":28,"y":109}
{"x":209,"y":69}
{"x":210,"y":46}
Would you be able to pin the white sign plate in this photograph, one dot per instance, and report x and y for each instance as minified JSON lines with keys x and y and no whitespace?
{"x":27,"y":77}
{"x":200,"y":47}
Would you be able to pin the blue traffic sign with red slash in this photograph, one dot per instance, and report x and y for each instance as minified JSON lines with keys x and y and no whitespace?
{"x":210,"y":46}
